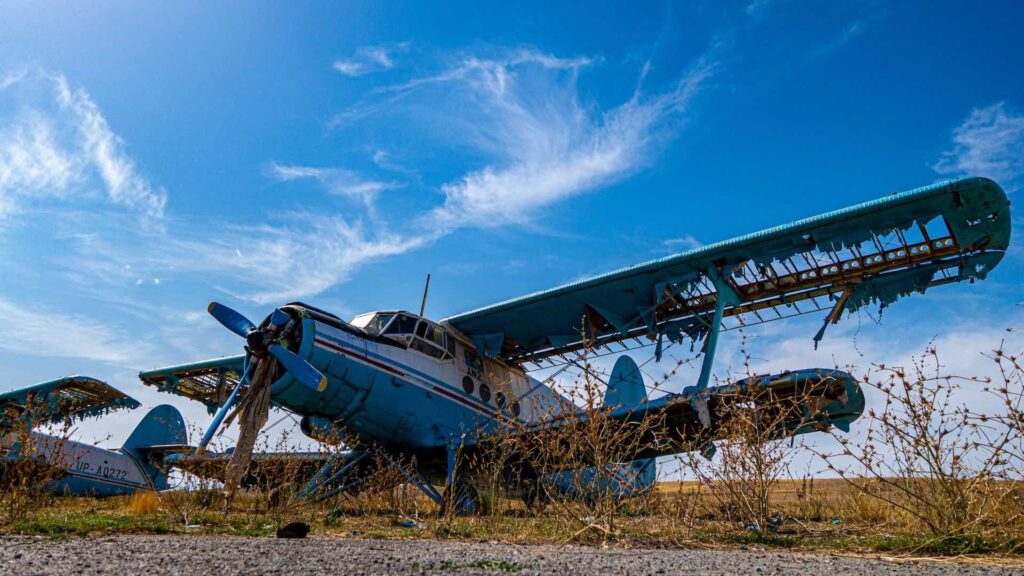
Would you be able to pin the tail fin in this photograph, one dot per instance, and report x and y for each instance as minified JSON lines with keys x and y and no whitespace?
{"x":626,"y":385}
{"x":626,"y":388}
{"x":161,"y":427}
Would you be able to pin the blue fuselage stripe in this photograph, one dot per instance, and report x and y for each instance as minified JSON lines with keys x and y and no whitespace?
{"x":102,"y":479}
{"x":440,"y":386}
{"x":407,"y":372}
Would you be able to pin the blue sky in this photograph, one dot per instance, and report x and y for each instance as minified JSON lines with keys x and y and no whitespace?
{"x":156,"y":157}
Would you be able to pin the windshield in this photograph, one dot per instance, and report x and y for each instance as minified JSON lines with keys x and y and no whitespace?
{"x":372,"y":323}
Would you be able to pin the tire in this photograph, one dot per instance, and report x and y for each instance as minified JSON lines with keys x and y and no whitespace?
{"x":465,"y":502}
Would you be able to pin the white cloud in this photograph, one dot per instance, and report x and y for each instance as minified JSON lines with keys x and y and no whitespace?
{"x":369,"y":59}
{"x":305,"y":258}
{"x":989,"y":142}
{"x":104,"y":150}
{"x":337,"y":181}
{"x":35,"y":331}
{"x":543,"y":145}
{"x":682,"y":243}
{"x":63,"y":148}
{"x":32,"y":162}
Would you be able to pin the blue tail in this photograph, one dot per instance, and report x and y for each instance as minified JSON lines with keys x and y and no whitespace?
{"x":626,"y":480}
{"x":163,"y":426}
{"x":626,"y":385}
{"x":626,"y":388}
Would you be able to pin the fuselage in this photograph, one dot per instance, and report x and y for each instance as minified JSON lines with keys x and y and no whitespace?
{"x":83,"y":469}
{"x":396,"y":379}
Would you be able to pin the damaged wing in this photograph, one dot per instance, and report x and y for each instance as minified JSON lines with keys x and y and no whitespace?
{"x":266,"y":469}
{"x":208,"y":381}
{"x":811,"y":400}
{"x":71,"y":398}
{"x":876,"y":252}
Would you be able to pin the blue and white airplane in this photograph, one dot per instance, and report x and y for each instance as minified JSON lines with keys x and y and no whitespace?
{"x":431,"y":390}
{"x":77,"y":468}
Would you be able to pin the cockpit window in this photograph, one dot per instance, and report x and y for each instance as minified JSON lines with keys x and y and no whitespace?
{"x":402,"y":324}
{"x":412,"y":331}
{"x":372,"y":323}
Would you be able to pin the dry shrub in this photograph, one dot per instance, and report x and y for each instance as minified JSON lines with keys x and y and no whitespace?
{"x":753,"y":453}
{"x":578,"y":464}
{"x":193,"y":494}
{"x":950,"y":468}
{"x":30,"y":462}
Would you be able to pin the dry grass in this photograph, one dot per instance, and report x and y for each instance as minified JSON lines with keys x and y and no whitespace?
{"x":143,"y":503}
{"x":970,"y":500}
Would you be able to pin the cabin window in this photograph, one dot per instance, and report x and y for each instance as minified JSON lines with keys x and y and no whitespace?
{"x":467,"y":384}
{"x":402,"y":324}
{"x":516,"y":409}
{"x":426,"y":348}
{"x":485,"y":392}
{"x":431,"y":340}
{"x":499,"y":400}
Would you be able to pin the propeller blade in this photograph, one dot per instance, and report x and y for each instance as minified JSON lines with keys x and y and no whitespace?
{"x":230,"y":319}
{"x":279,"y":317}
{"x":299,"y":369}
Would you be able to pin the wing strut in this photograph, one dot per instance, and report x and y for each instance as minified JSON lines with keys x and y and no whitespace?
{"x":725,"y":296}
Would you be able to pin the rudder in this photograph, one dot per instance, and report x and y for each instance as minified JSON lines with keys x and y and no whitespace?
{"x":626,"y":388}
{"x":626,"y":384}
{"x":162,"y":426}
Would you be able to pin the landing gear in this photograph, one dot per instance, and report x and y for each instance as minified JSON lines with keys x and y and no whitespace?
{"x":534,"y":496}
{"x":460,"y":496}
{"x":461,"y":499}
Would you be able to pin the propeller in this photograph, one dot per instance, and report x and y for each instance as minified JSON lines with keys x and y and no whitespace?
{"x":230,"y":319}
{"x":259,"y":343}
{"x":299,"y":369}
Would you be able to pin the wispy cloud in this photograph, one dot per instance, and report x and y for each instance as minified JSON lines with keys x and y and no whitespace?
{"x":549,"y":146}
{"x":63,"y":148}
{"x":296,"y":255}
{"x":687,"y":242}
{"x":846,"y":35}
{"x":36,"y":331}
{"x":540,"y":141}
{"x":338,"y":181}
{"x":535,"y":140}
{"x":370,"y":59}
{"x":989,"y":142}
{"x":304,"y":257}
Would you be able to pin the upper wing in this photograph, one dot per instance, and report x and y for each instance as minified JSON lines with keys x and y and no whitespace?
{"x":69,"y":398}
{"x":878,"y":251}
{"x":209,"y":381}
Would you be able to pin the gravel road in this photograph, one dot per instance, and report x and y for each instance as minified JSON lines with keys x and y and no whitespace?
{"x":125,"y":555}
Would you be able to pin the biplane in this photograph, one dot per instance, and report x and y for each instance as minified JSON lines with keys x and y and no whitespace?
{"x":431,"y":389}
{"x":74,"y":468}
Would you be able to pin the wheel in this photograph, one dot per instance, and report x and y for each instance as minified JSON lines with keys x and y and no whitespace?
{"x":466,"y":500}
{"x":534,"y":496}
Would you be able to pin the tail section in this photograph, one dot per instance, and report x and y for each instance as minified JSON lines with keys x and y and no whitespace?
{"x":626,"y":389}
{"x":163,"y":426}
{"x":626,"y":480}
{"x":626,"y":385}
